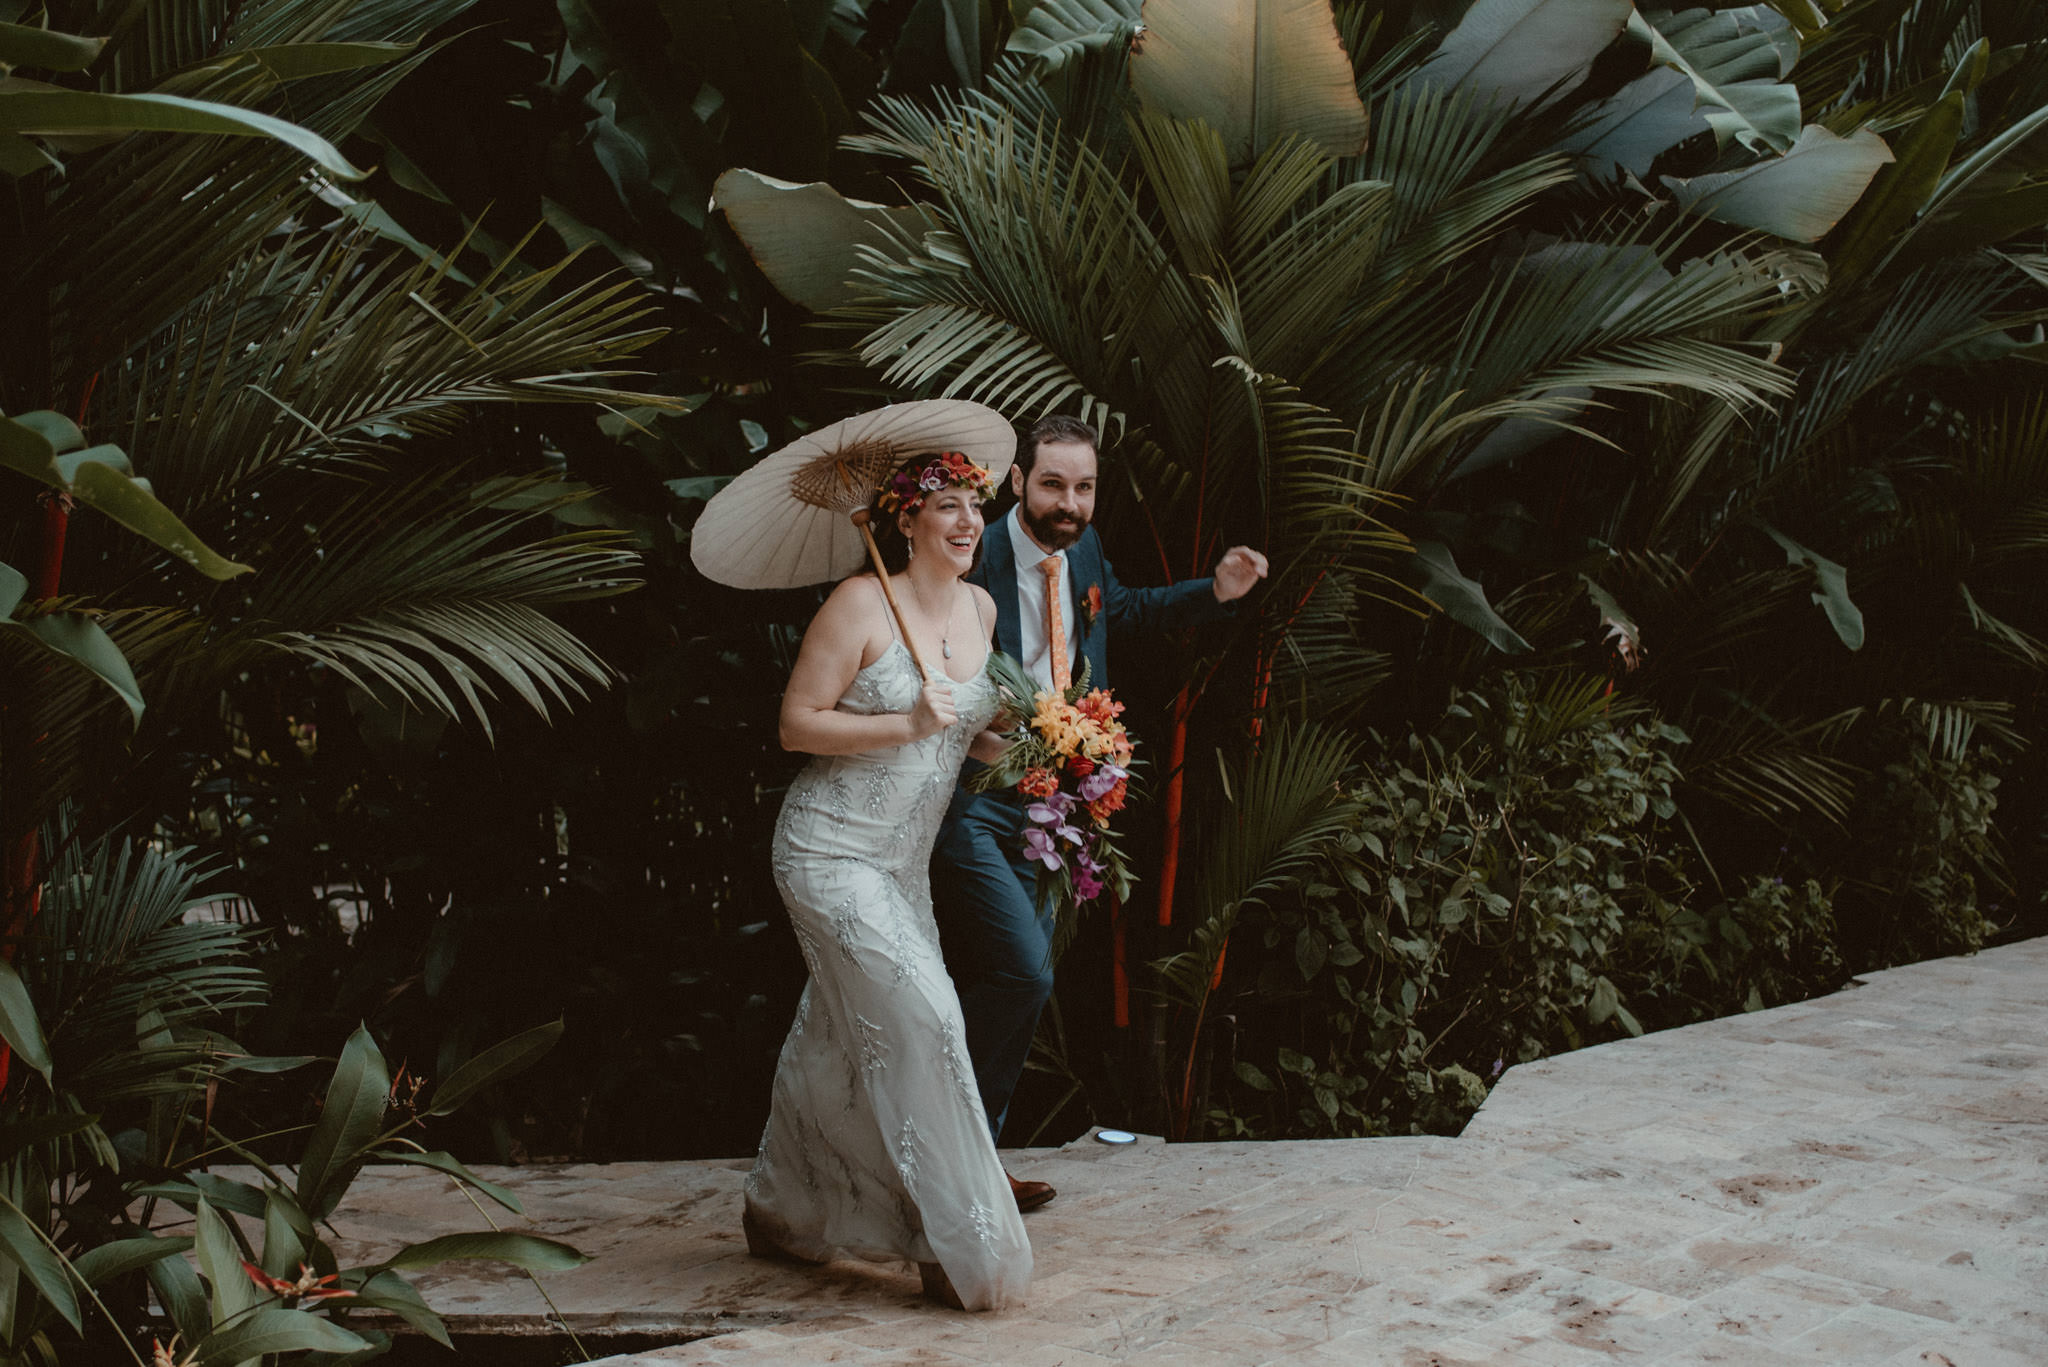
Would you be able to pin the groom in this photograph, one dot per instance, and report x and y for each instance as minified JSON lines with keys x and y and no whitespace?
{"x":1057,"y":603}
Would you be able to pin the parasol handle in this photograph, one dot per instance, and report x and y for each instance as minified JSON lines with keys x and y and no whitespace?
{"x":860,"y":520}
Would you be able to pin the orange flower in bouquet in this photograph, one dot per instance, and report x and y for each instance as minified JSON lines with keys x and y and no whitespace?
{"x":1070,"y":757}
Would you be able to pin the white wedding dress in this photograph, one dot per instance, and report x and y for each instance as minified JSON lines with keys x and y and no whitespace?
{"x":876,"y":1145}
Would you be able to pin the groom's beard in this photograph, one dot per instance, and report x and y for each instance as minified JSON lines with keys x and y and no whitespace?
{"x":1056,"y":530}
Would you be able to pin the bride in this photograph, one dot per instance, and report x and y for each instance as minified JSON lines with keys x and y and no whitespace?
{"x":876,"y":1145}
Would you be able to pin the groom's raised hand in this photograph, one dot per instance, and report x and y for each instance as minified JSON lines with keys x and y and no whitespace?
{"x":1237,"y":572}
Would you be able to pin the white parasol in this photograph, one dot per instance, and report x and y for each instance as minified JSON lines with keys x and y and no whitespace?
{"x":790,"y":520}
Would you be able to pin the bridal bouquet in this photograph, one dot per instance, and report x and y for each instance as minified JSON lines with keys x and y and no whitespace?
{"x":1070,"y":758}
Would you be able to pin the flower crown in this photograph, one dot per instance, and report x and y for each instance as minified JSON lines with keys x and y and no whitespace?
{"x":905,"y":491}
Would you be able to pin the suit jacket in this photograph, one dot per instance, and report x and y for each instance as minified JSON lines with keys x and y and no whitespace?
{"x":1125,"y":611}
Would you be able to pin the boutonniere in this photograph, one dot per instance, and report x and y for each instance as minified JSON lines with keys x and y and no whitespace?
{"x":1091,"y":605}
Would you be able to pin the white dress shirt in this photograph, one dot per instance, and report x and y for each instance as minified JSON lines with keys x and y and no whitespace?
{"x":1031,"y":605}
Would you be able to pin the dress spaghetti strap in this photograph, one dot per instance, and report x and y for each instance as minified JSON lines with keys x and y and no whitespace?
{"x":887,"y":615}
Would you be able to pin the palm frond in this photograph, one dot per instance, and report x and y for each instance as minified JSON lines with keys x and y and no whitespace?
{"x":428,"y":594}
{"x":331,"y":348}
{"x":1050,"y":260}
{"x":1285,"y":807}
{"x":1747,"y":758}
{"x":1952,"y":725}
{"x":141,"y":228}
{"x":1324,"y":665}
{"x":125,"y":984}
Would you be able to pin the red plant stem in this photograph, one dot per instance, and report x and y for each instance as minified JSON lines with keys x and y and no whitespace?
{"x":1176,"y":758}
{"x":23,"y":895}
{"x":56,"y":522}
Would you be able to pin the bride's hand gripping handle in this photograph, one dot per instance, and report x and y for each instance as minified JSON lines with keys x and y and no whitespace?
{"x":934,"y":711}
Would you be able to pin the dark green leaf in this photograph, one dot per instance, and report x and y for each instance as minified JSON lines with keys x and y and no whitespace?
{"x":22,"y":1244}
{"x":217,"y":1247}
{"x":1801,"y":195}
{"x":1434,"y":571}
{"x":179,"y":1291}
{"x":274,"y":1331}
{"x":286,"y":1232}
{"x":34,"y":1130}
{"x":389,"y":1291}
{"x":224,"y":1193}
{"x":295,"y":61}
{"x":526,"y":1251}
{"x":499,"y":1061}
{"x":21,"y":45}
{"x":1875,"y":228}
{"x":807,"y":238}
{"x":442,"y":1162}
{"x":1519,"y":50}
{"x":21,"y":157}
{"x":1311,"y":951}
{"x":84,"y":643}
{"x":19,"y":1024}
{"x":1831,"y":588}
{"x":129,"y":503}
{"x":350,"y":1119}
{"x":47,"y":447}
{"x":98,"y":1266}
{"x":48,"y":111}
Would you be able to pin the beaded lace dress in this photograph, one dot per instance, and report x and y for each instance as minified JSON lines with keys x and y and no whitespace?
{"x":876,"y":1145}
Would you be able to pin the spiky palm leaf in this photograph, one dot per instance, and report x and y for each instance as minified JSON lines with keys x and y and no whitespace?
{"x":129,"y":989}
{"x":1286,"y":804}
{"x":280,"y":372}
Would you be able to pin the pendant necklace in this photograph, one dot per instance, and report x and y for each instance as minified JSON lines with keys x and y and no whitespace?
{"x":946,"y":627}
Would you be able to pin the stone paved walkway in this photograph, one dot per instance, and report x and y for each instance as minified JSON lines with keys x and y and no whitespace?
{"x":1848,"y":1181}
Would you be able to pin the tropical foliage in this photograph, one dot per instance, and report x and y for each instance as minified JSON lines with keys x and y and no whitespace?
{"x":1643,"y":399}
{"x":196,"y":295}
{"x":1688,"y":347}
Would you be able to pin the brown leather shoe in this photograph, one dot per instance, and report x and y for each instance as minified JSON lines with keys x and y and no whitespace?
{"x":1030,"y":1195}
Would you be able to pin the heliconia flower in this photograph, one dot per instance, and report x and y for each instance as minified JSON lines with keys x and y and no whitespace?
{"x":162,"y":1356}
{"x":308,"y":1287}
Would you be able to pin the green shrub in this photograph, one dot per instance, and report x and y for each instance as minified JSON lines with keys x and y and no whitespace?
{"x":1516,"y":885}
{"x":1919,"y":851}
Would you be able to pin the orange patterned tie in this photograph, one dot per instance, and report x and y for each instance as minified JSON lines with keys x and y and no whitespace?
{"x":1055,"y":626}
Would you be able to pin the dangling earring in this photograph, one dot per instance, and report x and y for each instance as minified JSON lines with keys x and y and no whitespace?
{"x":910,"y":554}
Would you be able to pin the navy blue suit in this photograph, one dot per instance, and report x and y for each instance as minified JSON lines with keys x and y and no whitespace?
{"x":996,"y":939}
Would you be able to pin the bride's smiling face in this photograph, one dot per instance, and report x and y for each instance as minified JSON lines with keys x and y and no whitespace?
{"x":947,"y":528}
